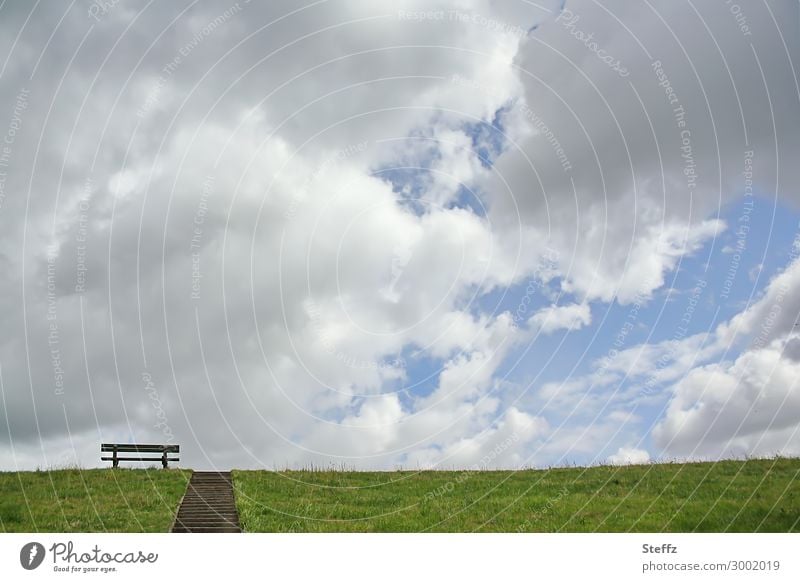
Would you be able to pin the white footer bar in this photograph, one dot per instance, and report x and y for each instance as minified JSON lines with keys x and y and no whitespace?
{"x":400,"y":557}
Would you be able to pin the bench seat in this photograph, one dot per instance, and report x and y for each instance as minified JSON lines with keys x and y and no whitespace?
{"x":155,"y":453}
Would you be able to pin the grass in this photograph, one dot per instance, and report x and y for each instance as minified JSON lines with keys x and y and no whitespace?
{"x":735,"y":496}
{"x":96,"y":500}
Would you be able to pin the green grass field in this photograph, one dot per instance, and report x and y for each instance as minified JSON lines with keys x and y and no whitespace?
{"x":736,"y":496}
{"x":94,"y":500}
{"x":748,"y":496}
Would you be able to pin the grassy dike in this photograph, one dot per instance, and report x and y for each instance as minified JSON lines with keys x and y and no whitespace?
{"x":736,"y":496}
{"x":92,"y":500}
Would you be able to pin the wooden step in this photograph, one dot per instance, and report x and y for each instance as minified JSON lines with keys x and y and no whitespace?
{"x":206,"y":522}
{"x":208,"y":505}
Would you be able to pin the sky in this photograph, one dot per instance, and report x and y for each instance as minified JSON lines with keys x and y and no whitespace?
{"x":381,"y":235}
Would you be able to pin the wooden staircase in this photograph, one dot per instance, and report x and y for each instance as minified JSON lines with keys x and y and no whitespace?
{"x":208,"y":505}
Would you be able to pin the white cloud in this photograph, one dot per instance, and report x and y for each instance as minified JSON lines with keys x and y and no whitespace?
{"x":772,"y":315}
{"x":748,"y":407}
{"x":628,"y":274}
{"x":629,"y":456}
{"x":556,"y":317}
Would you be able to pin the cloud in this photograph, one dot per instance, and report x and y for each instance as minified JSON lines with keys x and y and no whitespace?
{"x":774,"y":314}
{"x":727,"y":392}
{"x":748,"y":407}
{"x":751,"y":405}
{"x":629,"y":456}
{"x":632,"y":202}
{"x":556,"y":317}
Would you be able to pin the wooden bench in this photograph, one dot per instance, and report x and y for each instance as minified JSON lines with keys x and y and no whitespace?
{"x":155,"y":452}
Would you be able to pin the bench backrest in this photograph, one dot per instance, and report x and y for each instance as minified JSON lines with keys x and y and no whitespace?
{"x":125,"y":448}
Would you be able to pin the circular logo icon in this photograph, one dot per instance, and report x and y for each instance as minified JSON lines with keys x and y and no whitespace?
{"x":31,"y":555}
